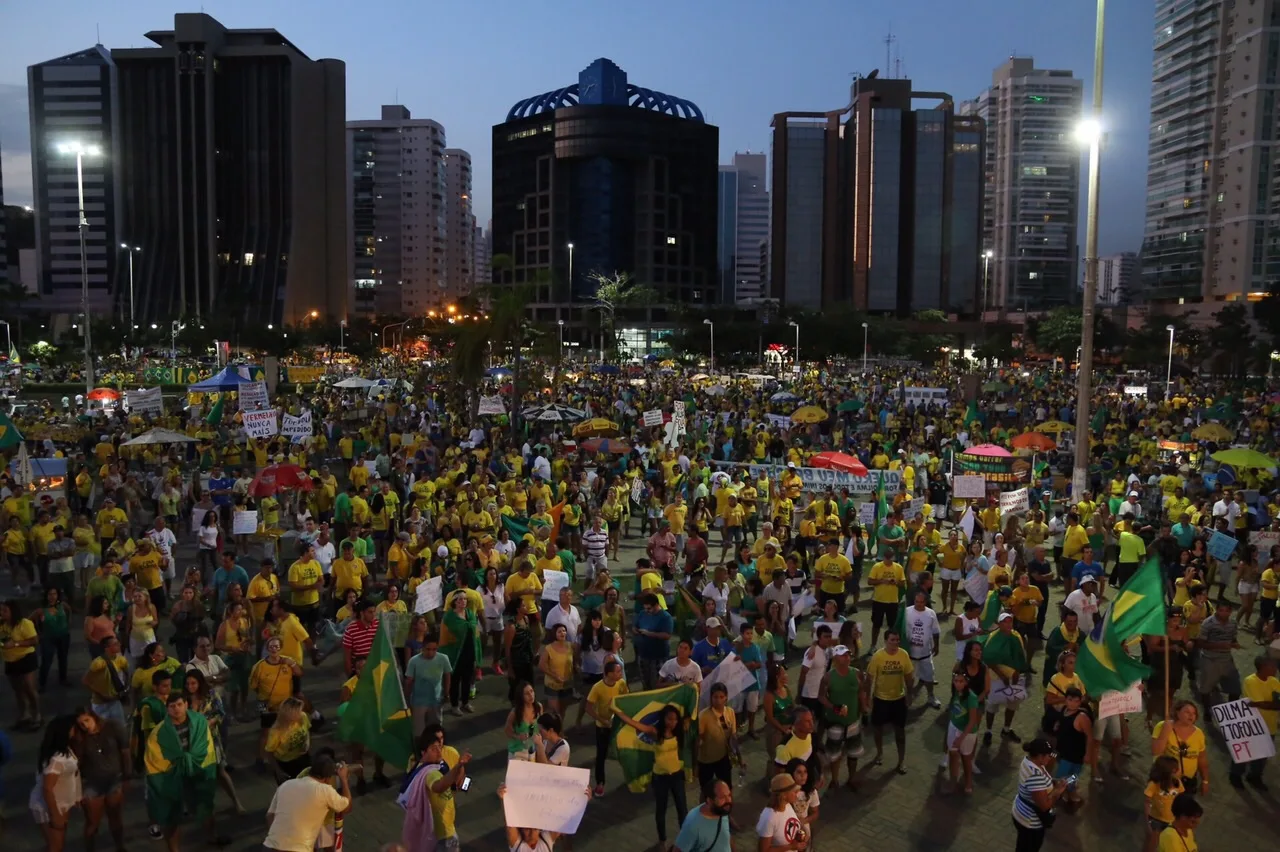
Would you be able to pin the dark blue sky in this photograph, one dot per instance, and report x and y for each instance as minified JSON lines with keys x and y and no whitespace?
{"x":464,"y":63}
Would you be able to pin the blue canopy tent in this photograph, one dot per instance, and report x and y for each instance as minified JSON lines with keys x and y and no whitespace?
{"x":228,"y":379}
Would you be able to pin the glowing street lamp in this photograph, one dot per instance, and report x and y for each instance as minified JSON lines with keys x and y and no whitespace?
{"x":80,"y":150}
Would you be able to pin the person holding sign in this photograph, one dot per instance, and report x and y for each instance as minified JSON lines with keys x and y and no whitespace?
{"x":531,"y":839}
{"x":1181,"y":738}
{"x":1262,"y":689}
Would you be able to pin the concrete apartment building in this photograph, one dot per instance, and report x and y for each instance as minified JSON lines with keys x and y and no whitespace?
{"x":481,"y":237}
{"x":743,"y":223}
{"x":398,"y":211}
{"x":1117,"y":274}
{"x":1213,"y":194}
{"x":1031,"y":187}
{"x":460,"y":250}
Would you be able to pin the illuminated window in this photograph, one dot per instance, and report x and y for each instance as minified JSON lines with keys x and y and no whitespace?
{"x":248,"y":258}
{"x":671,"y":241}
{"x":1035,"y":171}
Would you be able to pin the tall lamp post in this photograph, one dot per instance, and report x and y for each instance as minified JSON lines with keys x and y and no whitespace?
{"x":1168,"y":374}
{"x":174,"y":328}
{"x":986,"y":263}
{"x":1090,"y":133}
{"x":131,"y":250}
{"x":560,"y":350}
{"x":81,"y":150}
{"x":796,"y":326}
{"x":864,"y":348}
{"x":342,"y":335}
{"x":712,"y":326}
{"x":570,"y":246}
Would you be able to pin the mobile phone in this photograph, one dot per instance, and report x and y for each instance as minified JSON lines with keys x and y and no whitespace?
{"x":466,"y":784}
{"x":1071,"y":781}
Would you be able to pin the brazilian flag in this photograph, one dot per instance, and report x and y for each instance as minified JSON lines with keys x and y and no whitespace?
{"x":215,"y":414}
{"x":1103,"y":662}
{"x":633,"y":750}
{"x":9,"y":434}
{"x":377,"y":716}
{"x":519,"y":528}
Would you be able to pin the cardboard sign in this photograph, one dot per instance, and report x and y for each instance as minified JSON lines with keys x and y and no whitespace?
{"x":253,"y":396}
{"x":1244,"y":730}
{"x":914,"y":508}
{"x":1113,"y":703}
{"x":545,"y":796}
{"x":735,"y":676}
{"x":260,"y":424}
{"x":1221,"y":546}
{"x":244,"y":523}
{"x":491,"y":405}
{"x":296,"y":428}
{"x":145,"y":401}
{"x":867,"y":513}
{"x":1014,"y":501}
{"x":430,"y":596}
{"x":637,"y":490}
{"x":969,"y":487}
{"x":552,"y":583}
{"x":653,"y":417}
{"x":1264,"y":540}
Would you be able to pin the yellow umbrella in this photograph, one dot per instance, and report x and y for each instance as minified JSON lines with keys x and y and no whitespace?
{"x":597,"y":427}
{"x":1054,"y":427}
{"x":1211,"y":432}
{"x":809,"y":414}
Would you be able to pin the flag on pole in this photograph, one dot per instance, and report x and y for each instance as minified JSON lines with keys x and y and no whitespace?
{"x":971,"y":414}
{"x":9,"y":434}
{"x":635,"y":751}
{"x":377,"y":715}
{"x":215,"y":414}
{"x":1103,"y":663}
{"x":14,"y":357}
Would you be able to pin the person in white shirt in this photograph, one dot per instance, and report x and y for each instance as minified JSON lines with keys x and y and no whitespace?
{"x":215,"y":670}
{"x":163,"y":539}
{"x":923,"y":633}
{"x":596,"y":542}
{"x":718,"y":590}
{"x":778,"y":826}
{"x":325,"y":551}
{"x":813,"y":668}
{"x":680,"y":668}
{"x":1084,"y":603}
{"x":1057,"y":529}
{"x":301,"y":806}
{"x":1131,"y":507}
{"x":548,"y":745}
{"x":1226,"y":508}
{"x":567,"y":614}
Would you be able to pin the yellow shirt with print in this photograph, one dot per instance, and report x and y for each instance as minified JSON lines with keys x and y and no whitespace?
{"x":888,"y":673}
{"x":833,"y":570}
{"x":305,"y":573}
{"x":887,"y":592}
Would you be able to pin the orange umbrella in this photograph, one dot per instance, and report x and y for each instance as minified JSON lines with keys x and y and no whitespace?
{"x":103,"y":393}
{"x":839,"y":461}
{"x":1038,"y":441}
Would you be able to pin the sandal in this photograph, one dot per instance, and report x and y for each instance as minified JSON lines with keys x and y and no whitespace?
{"x":900,"y":769}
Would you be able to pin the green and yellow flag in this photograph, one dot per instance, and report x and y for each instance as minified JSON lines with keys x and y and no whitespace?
{"x":1103,"y":662}
{"x":377,"y":715}
{"x":178,"y":775}
{"x":215,"y":414}
{"x":633,"y":750}
{"x":9,"y":434}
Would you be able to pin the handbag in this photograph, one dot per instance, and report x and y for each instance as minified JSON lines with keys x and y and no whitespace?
{"x":1047,"y":818}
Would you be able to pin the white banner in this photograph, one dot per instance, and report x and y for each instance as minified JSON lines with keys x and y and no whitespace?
{"x":145,"y":401}
{"x":969,"y":487}
{"x":545,"y":796}
{"x":244,"y":523}
{"x":297,"y":428}
{"x":924,"y":396}
{"x":1243,"y":728}
{"x":1014,"y":501}
{"x":253,"y":396}
{"x":552,"y":583}
{"x":259,"y":424}
{"x":1135,"y":390}
{"x":491,"y":405}
{"x":733,"y":673}
{"x":820,"y":479}
{"x":1114,"y":703}
{"x":653,"y":417}
{"x":430,"y":596}
{"x":637,"y":490}
{"x":782,"y":420}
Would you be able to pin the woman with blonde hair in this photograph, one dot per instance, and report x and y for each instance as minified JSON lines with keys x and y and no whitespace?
{"x":289,"y":740}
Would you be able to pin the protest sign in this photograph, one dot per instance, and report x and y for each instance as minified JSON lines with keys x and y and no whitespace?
{"x":637,"y":490}
{"x":924,"y":396}
{"x":1264,"y":540}
{"x":976,"y":586}
{"x":297,"y":428}
{"x":398,"y":626}
{"x":733,"y":673}
{"x":1244,"y":730}
{"x":803,"y":602}
{"x":545,"y":796}
{"x":966,"y":523}
{"x":1014,"y":501}
{"x":491,"y":405}
{"x":970,"y":486}
{"x":259,"y":424}
{"x":780,"y":420}
{"x":819,"y":479}
{"x":145,"y":401}
{"x":653,"y":418}
{"x":1221,"y":545}
{"x":867,"y":513}
{"x":244,"y":523}
{"x":1115,"y":703}
{"x":552,"y":583}
{"x":430,"y":596}
{"x":914,"y":508}
{"x":253,"y":396}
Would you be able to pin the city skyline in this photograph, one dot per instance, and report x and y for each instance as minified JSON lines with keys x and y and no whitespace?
{"x":740,"y":69}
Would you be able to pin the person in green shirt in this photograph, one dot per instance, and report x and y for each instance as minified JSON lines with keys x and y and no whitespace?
{"x":342,"y":512}
{"x":962,"y":730}
{"x":568,"y":562}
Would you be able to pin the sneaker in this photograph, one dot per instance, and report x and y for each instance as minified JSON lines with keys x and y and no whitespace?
{"x":154,"y":832}
{"x":467,"y":708}
{"x":455,"y":711}
{"x":935,"y":704}
{"x":1008,"y":734}
{"x":599,"y":791}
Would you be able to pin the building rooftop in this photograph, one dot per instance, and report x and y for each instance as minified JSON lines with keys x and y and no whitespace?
{"x":602,"y":83}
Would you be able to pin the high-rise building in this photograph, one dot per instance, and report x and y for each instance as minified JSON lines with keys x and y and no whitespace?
{"x":743,"y":221}
{"x":398,"y":210}
{"x":73,"y":101}
{"x":1032,"y":187}
{"x":1213,"y":191}
{"x":460,"y":249}
{"x":625,"y":174}
{"x":480,"y":237}
{"x":1117,"y":275}
{"x":4,"y":245}
{"x":233,"y":175}
{"x":877,"y":205}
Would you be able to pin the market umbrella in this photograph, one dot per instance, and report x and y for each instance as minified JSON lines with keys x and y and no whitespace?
{"x":809,"y":414}
{"x":1211,"y":432}
{"x":1054,"y":427}
{"x":160,"y":436}
{"x":996,"y":387}
{"x":279,"y":477}
{"x":1244,"y":457}
{"x":553,"y":413}
{"x":1037,"y":441}
{"x":608,"y":446}
{"x":103,"y":393}
{"x":714,"y":390}
{"x":598,"y":427}
{"x":699,"y":377}
{"x":850,"y":405}
{"x":990,"y":451}
{"x":784,"y":396}
{"x":839,"y":461}
{"x":355,"y":382}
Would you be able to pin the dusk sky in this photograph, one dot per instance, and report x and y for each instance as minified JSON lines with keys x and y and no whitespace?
{"x":465,"y":63}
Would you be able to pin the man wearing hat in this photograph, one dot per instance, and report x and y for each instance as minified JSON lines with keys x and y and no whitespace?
{"x":1084,"y":603}
{"x":843,"y":695}
{"x":769,"y":562}
{"x":711,"y":651}
{"x":1006,"y":657}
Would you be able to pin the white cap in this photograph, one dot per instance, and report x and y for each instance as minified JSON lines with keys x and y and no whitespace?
{"x":1088,"y":578}
{"x":442,"y":551}
{"x":791,"y":465}
{"x":1133,"y":493}
{"x":840,"y":650}
{"x":713,"y":622}
{"x":1004,"y":616}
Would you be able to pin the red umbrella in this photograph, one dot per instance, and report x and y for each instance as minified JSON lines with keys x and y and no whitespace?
{"x":839,"y":461}
{"x":279,"y":477}
{"x":103,"y":393}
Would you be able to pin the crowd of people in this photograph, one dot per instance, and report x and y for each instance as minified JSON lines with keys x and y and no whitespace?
{"x":838,"y":613}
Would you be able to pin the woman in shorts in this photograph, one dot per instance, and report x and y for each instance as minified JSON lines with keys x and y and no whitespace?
{"x":963,"y":718}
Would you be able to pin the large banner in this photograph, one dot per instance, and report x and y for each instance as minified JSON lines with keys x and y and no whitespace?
{"x":303,"y":375}
{"x":145,"y":401}
{"x":820,"y":479}
{"x":924,"y":396}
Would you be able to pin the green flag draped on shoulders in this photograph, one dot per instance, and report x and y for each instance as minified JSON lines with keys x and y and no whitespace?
{"x":1104,"y":663}
{"x":180,"y":776}
{"x":377,"y":715}
{"x":635,"y":750}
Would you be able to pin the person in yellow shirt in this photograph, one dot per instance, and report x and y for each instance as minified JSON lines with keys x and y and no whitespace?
{"x":348,"y":572}
{"x":18,"y":642}
{"x":733,"y":517}
{"x":262,"y":588}
{"x":1074,"y":540}
{"x":888,"y":581}
{"x":16,"y":547}
{"x":109,"y":519}
{"x":1025,"y":605}
{"x":833,"y":568}
{"x":769,"y":562}
{"x":145,"y":565}
{"x":305,"y":579}
{"x":890,"y":672}
{"x":1263,"y":691}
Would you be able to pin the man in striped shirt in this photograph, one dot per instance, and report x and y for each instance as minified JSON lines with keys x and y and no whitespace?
{"x":596,"y":541}
{"x":357,"y":640}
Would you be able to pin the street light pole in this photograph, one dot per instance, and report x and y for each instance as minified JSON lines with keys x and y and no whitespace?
{"x":132,"y":316}
{"x":864,"y":348}
{"x":712,"y":327}
{"x":571,"y":274}
{"x":80,"y":150}
{"x":560,"y":349}
{"x":1092,"y":130}
{"x":342,"y":336}
{"x":796,"y":326}
{"x":1168,"y":375}
{"x":174,"y":328}
{"x":986,"y":262}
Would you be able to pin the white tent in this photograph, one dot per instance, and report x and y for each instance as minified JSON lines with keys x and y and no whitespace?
{"x":355,"y":382}
{"x":160,"y":436}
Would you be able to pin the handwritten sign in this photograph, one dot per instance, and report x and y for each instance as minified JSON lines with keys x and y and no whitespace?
{"x":1014,"y":501}
{"x":297,"y":428}
{"x":545,"y":796}
{"x":552,"y":583}
{"x":733,"y":673}
{"x":637,"y":490}
{"x":244,"y":523}
{"x":491,"y":405}
{"x":1221,"y":546}
{"x":430,"y":596}
{"x":253,"y":396}
{"x":259,"y":424}
{"x":653,"y":417}
{"x":969,"y":487}
{"x":914,"y":508}
{"x":1242,"y":726}
{"x":1116,"y":703}
{"x":1264,"y":540}
{"x":867,"y":513}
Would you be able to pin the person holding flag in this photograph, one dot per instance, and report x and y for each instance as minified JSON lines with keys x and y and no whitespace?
{"x":376,"y":716}
{"x":1103,"y":662}
{"x":1006,"y":658}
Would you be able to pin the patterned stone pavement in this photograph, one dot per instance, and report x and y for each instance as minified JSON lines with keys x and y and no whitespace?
{"x":891,"y":813}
